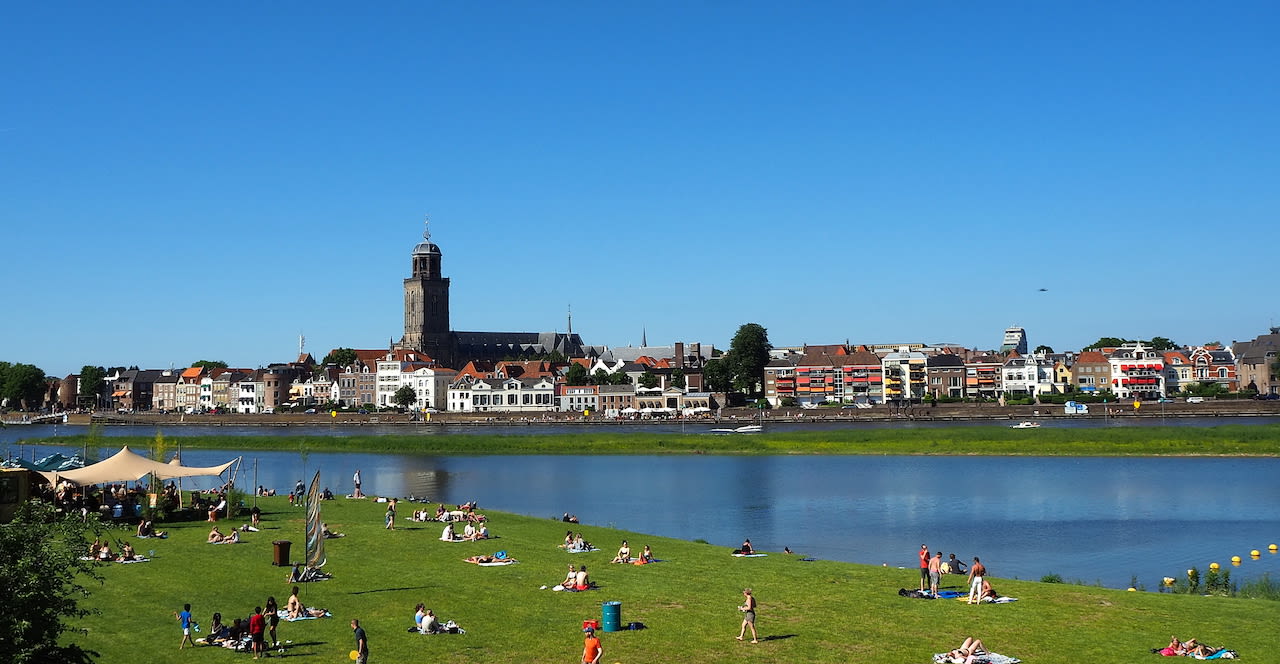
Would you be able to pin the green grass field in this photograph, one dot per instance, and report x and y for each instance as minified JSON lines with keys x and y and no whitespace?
{"x":809,"y":611}
{"x":1232,"y":439}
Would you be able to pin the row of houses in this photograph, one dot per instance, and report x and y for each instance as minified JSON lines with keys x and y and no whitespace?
{"x":840,"y":373}
{"x":808,"y":375}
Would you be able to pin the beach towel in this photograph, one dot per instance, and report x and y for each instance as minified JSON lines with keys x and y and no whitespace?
{"x":748,"y":555}
{"x":986,"y":658}
{"x":498,"y":563}
{"x":135,"y":560}
{"x":284,"y":615}
{"x":588,"y":550}
{"x":166,"y":536}
{"x":952,"y":594}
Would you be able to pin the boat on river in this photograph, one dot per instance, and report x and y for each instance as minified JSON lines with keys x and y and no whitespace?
{"x":1026,"y":425}
{"x":746,"y":428}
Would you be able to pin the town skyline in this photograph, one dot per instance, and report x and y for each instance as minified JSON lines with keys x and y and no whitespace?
{"x":184,"y":184}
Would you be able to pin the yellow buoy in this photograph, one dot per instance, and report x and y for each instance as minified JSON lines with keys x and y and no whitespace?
{"x":1235,"y":559}
{"x":1255,"y":553}
{"x":1214,"y":565}
{"x":1191,"y":572}
{"x":1272,"y":548}
{"x":1133,"y":590}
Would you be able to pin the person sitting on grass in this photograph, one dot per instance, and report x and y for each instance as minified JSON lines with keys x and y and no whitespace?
{"x":216,"y":536}
{"x":570,"y":579}
{"x":987,"y":593}
{"x":482,"y":532}
{"x":126,"y":553}
{"x":329,"y":534}
{"x":624,"y":553}
{"x":104,"y":552}
{"x":746,"y":549}
{"x":447,"y":534}
{"x":568,"y":540}
{"x":429,"y":624}
{"x":217,"y":630}
{"x":1191,"y":648}
{"x":469,"y":532}
{"x":582,"y":581}
{"x":294,"y":605}
{"x":967,"y":653}
{"x":646,"y":554}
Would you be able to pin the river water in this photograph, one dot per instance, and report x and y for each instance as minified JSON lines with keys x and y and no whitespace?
{"x":1095,"y":520}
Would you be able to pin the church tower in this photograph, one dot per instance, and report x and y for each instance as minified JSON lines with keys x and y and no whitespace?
{"x":426,"y":303}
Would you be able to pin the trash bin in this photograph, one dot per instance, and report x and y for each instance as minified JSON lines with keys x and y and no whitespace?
{"x":611,"y":616}
{"x":282,"y":552}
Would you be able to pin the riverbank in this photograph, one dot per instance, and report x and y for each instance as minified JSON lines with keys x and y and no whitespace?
{"x":1228,"y":440}
{"x":809,"y":611}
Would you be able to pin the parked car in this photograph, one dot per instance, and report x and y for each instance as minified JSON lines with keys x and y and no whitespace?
{"x":268,"y":411}
{"x":311,"y":411}
{"x":1195,"y":399}
{"x":1268,"y":397}
{"x":363,"y":411}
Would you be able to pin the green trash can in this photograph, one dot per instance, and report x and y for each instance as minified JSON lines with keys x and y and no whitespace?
{"x":611,"y":616}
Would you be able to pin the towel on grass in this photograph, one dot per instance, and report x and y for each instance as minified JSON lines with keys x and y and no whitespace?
{"x":986,"y":658}
{"x":138,"y":559}
{"x":284,"y":615}
{"x":152,"y":536}
{"x":498,"y":563}
{"x":748,"y":555}
{"x":582,"y":550}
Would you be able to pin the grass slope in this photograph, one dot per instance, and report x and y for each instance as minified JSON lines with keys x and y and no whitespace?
{"x":809,"y":611}
{"x":1234,"y":439}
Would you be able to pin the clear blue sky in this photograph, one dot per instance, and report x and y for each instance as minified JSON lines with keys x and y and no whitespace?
{"x":182,"y":181}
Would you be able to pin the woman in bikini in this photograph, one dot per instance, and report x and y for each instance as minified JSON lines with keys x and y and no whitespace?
{"x":748,"y":610}
{"x":967,"y":652}
{"x":624,"y":553}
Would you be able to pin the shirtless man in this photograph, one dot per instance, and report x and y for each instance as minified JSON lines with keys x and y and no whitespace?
{"x":215,"y":536}
{"x":294,"y":605}
{"x":935,"y":572}
{"x":582,"y":581}
{"x":976,"y":572}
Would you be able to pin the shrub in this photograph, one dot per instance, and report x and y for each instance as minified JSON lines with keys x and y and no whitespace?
{"x":1051,"y":578}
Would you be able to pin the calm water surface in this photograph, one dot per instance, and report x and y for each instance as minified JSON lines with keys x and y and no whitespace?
{"x":1088,"y":519}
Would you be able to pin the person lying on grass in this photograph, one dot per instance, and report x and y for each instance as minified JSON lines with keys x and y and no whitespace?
{"x":967,"y":653}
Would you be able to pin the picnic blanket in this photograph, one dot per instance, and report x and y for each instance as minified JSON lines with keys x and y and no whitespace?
{"x":989,"y":600}
{"x":152,"y":536}
{"x":498,"y":563}
{"x":284,"y":615}
{"x":587,"y":550}
{"x":137,"y":559}
{"x":985,"y":658}
{"x":1222,"y":653}
{"x":748,"y":555}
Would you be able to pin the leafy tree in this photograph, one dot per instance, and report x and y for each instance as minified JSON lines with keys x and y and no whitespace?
{"x":1161,"y":343}
{"x":619,"y":378}
{"x":677,"y":378}
{"x":23,"y":384}
{"x":1047,"y":350}
{"x":4,"y":371}
{"x":340,"y":356}
{"x":405,"y":396}
{"x":576,"y":375}
{"x":749,"y":352}
{"x":648,"y":379}
{"x":40,"y":563}
{"x":209,"y":364}
{"x":718,"y":375}
{"x":1108,"y":342}
{"x":91,"y":384}
{"x":600,"y":377}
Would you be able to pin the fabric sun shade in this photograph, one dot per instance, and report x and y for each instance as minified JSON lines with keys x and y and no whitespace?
{"x":127,"y":466}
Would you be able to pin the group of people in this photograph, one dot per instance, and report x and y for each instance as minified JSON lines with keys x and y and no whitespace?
{"x":577,"y":579}
{"x":465,"y":512}
{"x":216,"y":536}
{"x":254,"y":631}
{"x":624,"y":554}
{"x":101,"y":551}
{"x":1190,"y":648}
{"x":932,"y":568}
{"x":470,"y":533}
{"x":575,"y":543}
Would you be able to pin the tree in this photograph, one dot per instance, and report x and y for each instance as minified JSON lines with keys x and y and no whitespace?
{"x":648,"y":379}
{"x":1047,"y":350}
{"x":600,"y":377}
{"x":1108,"y":342}
{"x":749,"y":352}
{"x":209,"y":364}
{"x":1161,"y":343}
{"x":718,"y":375}
{"x":405,"y":396}
{"x":576,"y":375}
{"x":42,"y":571}
{"x":24,"y":384}
{"x":340,"y":357}
{"x":677,"y":378}
{"x":91,"y":384}
{"x":619,"y":378}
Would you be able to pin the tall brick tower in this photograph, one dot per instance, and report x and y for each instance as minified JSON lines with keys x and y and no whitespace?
{"x":426,"y":304}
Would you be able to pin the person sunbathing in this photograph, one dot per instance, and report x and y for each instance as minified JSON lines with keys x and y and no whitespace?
{"x":1191,"y":648}
{"x":646,"y":555}
{"x":482,"y":532}
{"x":447,"y":535}
{"x":987,"y":594}
{"x":746,"y":549}
{"x":329,"y":534}
{"x":967,"y":652}
{"x":571,"y":578}
{"x":233,"y":538}
{"x":216,"y":536}
{"x":624,"y":553}
{"x":568,"y":540}
{"x":126,"y":553}
{"x":582,"y":581}
{"x":104,"y":552}
{"x":294,"y":605}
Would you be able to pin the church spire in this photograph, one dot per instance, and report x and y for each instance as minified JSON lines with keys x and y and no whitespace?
{"x":644,"y":338}
{"x":426,"y":228}
{"x":571,"y":320}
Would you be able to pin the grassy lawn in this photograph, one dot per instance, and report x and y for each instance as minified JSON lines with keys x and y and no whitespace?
{"x":809,"y":611}
{"x":1233,"y":439}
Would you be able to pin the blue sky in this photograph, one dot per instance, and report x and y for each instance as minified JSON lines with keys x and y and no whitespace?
{"x":180,"y":182}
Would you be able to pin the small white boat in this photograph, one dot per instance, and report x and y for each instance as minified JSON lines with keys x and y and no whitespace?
{"x":746,"y":428}
{"x":1026,"y":425}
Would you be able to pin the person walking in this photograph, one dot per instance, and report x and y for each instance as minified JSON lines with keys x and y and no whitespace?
{"x":591,"y":649}
{"x":362,"y":642}
{"x":391,"y":514}
{"x":748,"y":609}
{"x":356,"y":480}
{"x":976,"y":572}
{"x":184,"y":620}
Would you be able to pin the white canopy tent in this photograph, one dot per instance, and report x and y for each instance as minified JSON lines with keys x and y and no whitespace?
{"x":128,"y":466}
